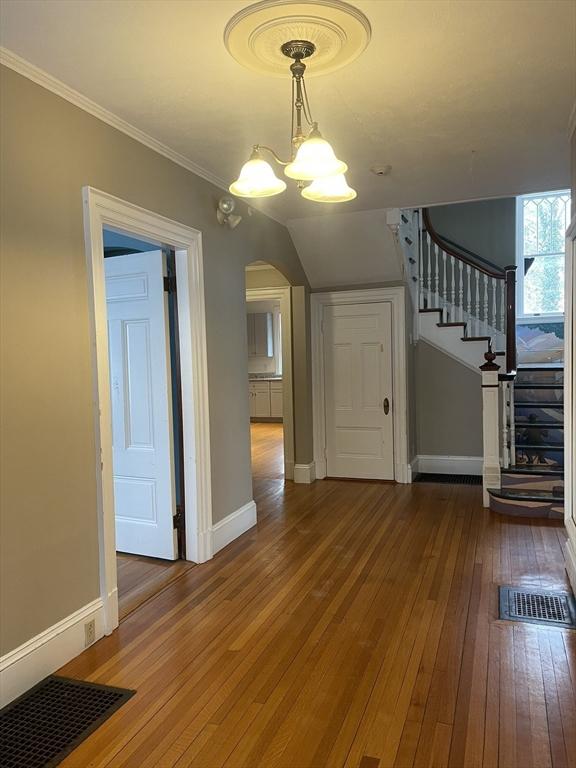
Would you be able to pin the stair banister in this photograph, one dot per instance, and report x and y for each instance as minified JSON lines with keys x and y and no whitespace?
{"x":486,"y":300}
{"x":490,"y":426}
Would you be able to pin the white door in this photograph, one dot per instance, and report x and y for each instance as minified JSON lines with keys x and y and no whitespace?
{"x":358,"y":391}
{"x":142,"y":436}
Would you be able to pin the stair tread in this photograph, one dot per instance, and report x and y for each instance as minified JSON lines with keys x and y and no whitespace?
{"x":535,"y":403}
{"x":539,"y":385}
{"x":536,"y":367}
{"x":542,"y":446}
{"x":450,"y":325}
{"x":532,"y":494}
{"x":534,"y":469}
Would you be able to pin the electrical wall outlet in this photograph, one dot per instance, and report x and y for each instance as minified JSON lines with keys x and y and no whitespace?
{"x":89,"y":633}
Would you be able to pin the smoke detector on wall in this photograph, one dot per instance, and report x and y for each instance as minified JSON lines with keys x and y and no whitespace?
{"x":381,"y":170}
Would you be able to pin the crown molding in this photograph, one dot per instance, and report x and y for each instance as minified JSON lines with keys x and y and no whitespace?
{"x":49,"y":82}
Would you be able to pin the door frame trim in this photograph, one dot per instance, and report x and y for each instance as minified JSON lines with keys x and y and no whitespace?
{"x":283,"y":295}
{"x":397,"y":298}
{"x":102,"y":209}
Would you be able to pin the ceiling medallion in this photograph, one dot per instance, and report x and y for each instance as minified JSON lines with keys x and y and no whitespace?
{"x":260,"y":37}
{"x":255,"y":35}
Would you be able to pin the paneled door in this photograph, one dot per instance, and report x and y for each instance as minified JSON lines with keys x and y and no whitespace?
{"x":142,"y":431}
{"x":358,"y":390}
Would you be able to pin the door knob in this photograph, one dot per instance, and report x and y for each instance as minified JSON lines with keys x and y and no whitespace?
{"x":386,"y":406}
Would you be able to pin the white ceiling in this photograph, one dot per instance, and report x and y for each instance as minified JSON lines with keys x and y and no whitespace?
{"x":463,"y":98}
{"x":351,"y":248}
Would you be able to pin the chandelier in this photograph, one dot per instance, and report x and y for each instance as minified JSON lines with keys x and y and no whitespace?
{"x":319,"y":174}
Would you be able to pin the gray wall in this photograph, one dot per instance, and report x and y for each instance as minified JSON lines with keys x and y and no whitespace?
{"x":448,"y":405}
{"x":487,"y":227}
{"x":265,"y":278}
{"x":50,"y":150}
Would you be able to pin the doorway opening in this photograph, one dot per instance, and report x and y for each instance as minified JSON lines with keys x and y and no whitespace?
{"x":145,"y":447}
{"x":146,"y":400}
{"x":269,"y":332}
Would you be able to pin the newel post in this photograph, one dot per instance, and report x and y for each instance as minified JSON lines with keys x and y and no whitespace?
{"x":490,"y":426}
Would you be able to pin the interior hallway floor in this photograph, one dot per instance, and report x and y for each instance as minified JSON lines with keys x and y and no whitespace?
{"x":355,"y":625}
{"x":140,"y":578}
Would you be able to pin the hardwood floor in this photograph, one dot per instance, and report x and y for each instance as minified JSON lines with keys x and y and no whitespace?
{"x":355,"y":626}
{"x":140,"y":578}
{"x":267,"y":451}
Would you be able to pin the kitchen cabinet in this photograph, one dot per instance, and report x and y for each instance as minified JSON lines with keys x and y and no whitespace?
{"x":260,"y":334}
{"x":276,"y":398}
{"x":265,"y":399}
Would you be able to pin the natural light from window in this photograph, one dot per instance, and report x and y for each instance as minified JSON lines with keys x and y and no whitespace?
{"x":542,"y":220}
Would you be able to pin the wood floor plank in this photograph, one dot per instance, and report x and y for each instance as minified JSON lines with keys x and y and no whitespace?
{"x":356,"y":625}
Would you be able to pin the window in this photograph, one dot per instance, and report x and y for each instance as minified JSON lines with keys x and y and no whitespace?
{"x":541,"y":220}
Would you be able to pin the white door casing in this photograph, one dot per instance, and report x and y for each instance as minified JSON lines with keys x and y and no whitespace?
{"x":140,"y":385}
{"x":100,"y":210}
{"x":358,"y":390}
{"x":395,"y":295}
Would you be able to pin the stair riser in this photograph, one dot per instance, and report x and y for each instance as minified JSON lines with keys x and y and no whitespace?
{"x":535,"y":435}
{"x":525,"y":413}
{"x":535,"y":456}
{"x":537,"y":509}
{"x":539,"y":396}
{"x":540,"y":377}
{"x":529,"y":482}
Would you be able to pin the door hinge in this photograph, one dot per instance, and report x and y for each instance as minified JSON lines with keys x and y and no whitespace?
{"x":170,"y":283}
{"x":178,"y":519}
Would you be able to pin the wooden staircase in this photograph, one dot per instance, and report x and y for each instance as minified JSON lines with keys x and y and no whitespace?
{"x":466,"y":307}
{"x":533,"y":485}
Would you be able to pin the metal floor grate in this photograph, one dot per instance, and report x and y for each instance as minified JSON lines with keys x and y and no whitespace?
{"x":429,"y":477}
{"x":44,"y":725}
{"x":538,"y":607}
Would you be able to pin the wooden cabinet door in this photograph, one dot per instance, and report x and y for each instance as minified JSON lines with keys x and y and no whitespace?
{"x":252,"y":400}
{"x":276,"y":398}
{"x":262,"y":399}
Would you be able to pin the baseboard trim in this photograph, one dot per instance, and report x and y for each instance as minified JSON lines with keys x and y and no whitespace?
{"x":448,"y":465}
{"x":43,"y":654}
{"x":232,"y":526}
{"x":570,"y":556}
{"x":412,"y":469}
{"x":305,"y":473}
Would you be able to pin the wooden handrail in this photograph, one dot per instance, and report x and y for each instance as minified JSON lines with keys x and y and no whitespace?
{"x":479,"y":263}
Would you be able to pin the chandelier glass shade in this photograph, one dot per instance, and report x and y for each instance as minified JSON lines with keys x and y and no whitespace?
{"x":313,"y":159}
{"x":257,"y":179}
{"x":330,"y":189}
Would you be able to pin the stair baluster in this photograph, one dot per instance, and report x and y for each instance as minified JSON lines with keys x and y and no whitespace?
{"x":512,"y":433}
{"x":461,"y":290}
{"x":477,"y":304}
{"x":485,"y":310}
{"x":428,"y":253}
{"x":505,"y":421}
{"x":445,"y":285}
{"x":468,"y":295}
{"x":453,"y":284}
{"x":420,"y":269}
{"x":493,"y":284}
{"x":436,"y":268}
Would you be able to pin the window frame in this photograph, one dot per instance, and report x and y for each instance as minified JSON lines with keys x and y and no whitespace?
{"x":521,"y":316}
